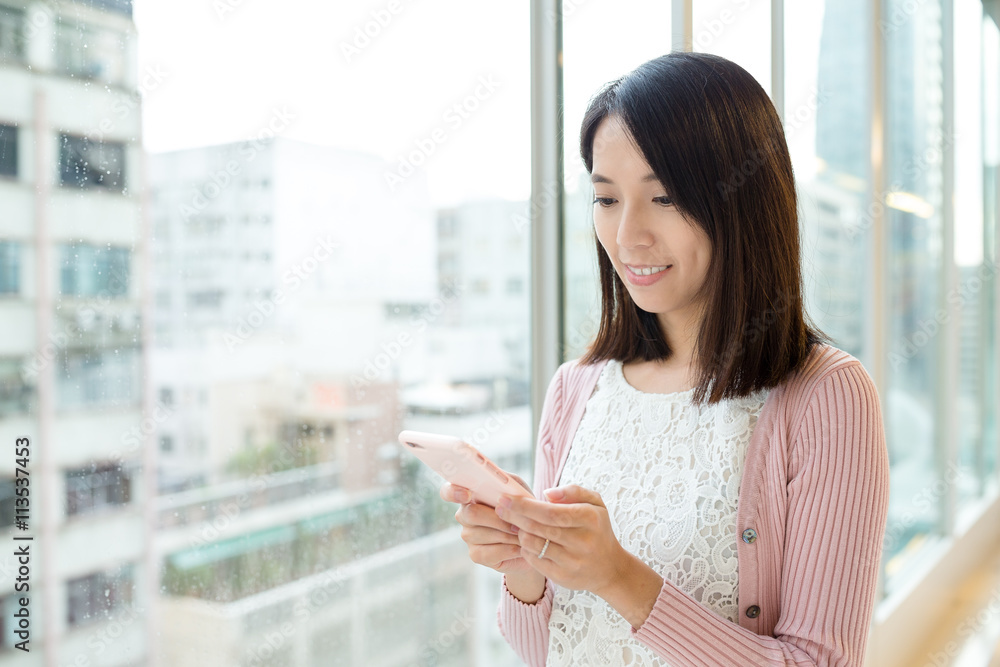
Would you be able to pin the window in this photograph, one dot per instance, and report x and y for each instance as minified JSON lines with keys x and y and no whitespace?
{"x":167,"y":396}
{"x":7,"y":504}
{"x":8,"y":146}
{"x":11,"y":35}
{"x":10,"y":267}
{"x":90,"y":270}
{"x":91,"y":164}
{"x":98,"y":596}
{"x":205,"y":299}
{"x":585,"y":70}
{"x":17,"y":391}
{"x":97,"y":377}
{"x":123,"y":7}
{"x":90,"y":52}
{"x":97,"y":487}
{"x":913,"y":216}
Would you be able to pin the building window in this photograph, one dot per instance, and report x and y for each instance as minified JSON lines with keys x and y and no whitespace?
{"x":90,"y":52}
{"x":90,"y":270}
{"x":123,"y":7}
{"x":97,"y":377}
{"x":7,"y":504}
{"x":17,"y":395}
{"x":11,"y":35}
{"x":10,"y":267}
{"x":205,"y":299}
{"x":91,"y":164}
{"x":97,"y":596}
{"x":8,"y":143}
{"x":97,"y":487}
{"x":446,"y":225}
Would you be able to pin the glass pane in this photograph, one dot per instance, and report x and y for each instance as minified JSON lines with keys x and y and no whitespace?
{"x":585,"y":70}
{"x":827,"y":116}
{"x":337,"y":256}
{"x":319,"y":207}
{"x":913,"y":201}
{"x":739,"y":30}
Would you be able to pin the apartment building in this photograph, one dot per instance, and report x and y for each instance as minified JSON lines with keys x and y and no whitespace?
{"x":73,"y":355}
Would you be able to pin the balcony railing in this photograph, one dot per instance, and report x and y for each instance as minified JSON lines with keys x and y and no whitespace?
{"x":205,"y":504}
{"x":119,"y":6}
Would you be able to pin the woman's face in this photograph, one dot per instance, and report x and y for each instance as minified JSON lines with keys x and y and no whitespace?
{"x":642,"y":231}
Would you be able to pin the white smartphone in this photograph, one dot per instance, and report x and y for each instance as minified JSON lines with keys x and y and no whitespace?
{"x":463,"y":465}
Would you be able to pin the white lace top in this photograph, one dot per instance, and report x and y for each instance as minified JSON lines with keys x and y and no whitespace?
{"x":669,"y":473}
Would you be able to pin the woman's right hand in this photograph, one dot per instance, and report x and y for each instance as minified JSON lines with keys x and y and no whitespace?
{"x":492,"y":541}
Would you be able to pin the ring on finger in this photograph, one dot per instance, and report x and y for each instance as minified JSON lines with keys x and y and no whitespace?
{"x":541,"y":554}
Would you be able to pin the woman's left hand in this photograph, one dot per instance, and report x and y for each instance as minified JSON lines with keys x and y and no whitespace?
{"x":583,"y":552}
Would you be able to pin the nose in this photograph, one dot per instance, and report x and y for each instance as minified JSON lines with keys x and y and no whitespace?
{"x":633,"y":229}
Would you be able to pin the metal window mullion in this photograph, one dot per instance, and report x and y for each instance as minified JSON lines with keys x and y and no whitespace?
{"x":946,"y":351}
{"x":993,"y":10}
{"x":547,"y":222}
{"x":681,"y":28}
{"x":778,"y":57}
{"x":877,"y":248}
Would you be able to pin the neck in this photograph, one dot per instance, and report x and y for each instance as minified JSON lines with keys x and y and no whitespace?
{"x":681,"y":334}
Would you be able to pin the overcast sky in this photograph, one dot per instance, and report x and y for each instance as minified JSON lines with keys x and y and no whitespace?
{"x":231,"y":65}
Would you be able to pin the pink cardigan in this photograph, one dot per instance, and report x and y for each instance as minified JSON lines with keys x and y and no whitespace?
{"x":815,"y":489}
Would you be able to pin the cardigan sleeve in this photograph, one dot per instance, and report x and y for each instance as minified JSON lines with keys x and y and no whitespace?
{"x":838,"y":498}
{"x":526,"y":626}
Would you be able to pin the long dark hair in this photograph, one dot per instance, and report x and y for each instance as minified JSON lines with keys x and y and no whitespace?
{"x":715,"y":142}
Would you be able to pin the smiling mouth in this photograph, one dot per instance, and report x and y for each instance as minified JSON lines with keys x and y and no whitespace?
{"x":648,"y":271}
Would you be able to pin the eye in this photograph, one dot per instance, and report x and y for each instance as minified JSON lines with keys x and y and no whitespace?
{"x":666,"y":201}
{"x":604,"y":201}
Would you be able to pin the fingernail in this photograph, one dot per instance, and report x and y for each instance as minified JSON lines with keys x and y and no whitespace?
{"x":554,"y":494}
{"x":514,"y":529}
{"x":463,"y":496}
{"x":504,"y":501}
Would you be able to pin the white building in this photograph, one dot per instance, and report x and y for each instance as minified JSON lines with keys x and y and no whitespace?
{"x":72,"y":260}
{"x":274,"y":256}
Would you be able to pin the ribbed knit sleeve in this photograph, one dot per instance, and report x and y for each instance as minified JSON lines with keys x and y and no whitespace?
{"x":526,"y":626}
{"x":837,"y":500}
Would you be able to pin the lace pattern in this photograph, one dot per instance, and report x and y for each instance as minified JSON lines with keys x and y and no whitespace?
{"x":669,"y":473}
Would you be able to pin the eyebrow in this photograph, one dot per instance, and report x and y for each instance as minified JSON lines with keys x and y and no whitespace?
{"x":597,"y":178}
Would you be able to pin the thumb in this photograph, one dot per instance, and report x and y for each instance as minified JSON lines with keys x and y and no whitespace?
{"x":573,"y":493}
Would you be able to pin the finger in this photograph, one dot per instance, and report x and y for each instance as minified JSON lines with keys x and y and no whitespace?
{"x":523,"y":483}
{"x":557,"y":530}
{"x":541,"y":512}
{"x":483,"y":535}
{"x":494,"y":555}
{"x":473,"y":514}
{"x":573,"y":493}
{"x":532,"y":545}
{"x":454,"y":493}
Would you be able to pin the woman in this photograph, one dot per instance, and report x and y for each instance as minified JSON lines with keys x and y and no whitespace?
{"x":714,"y":471}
